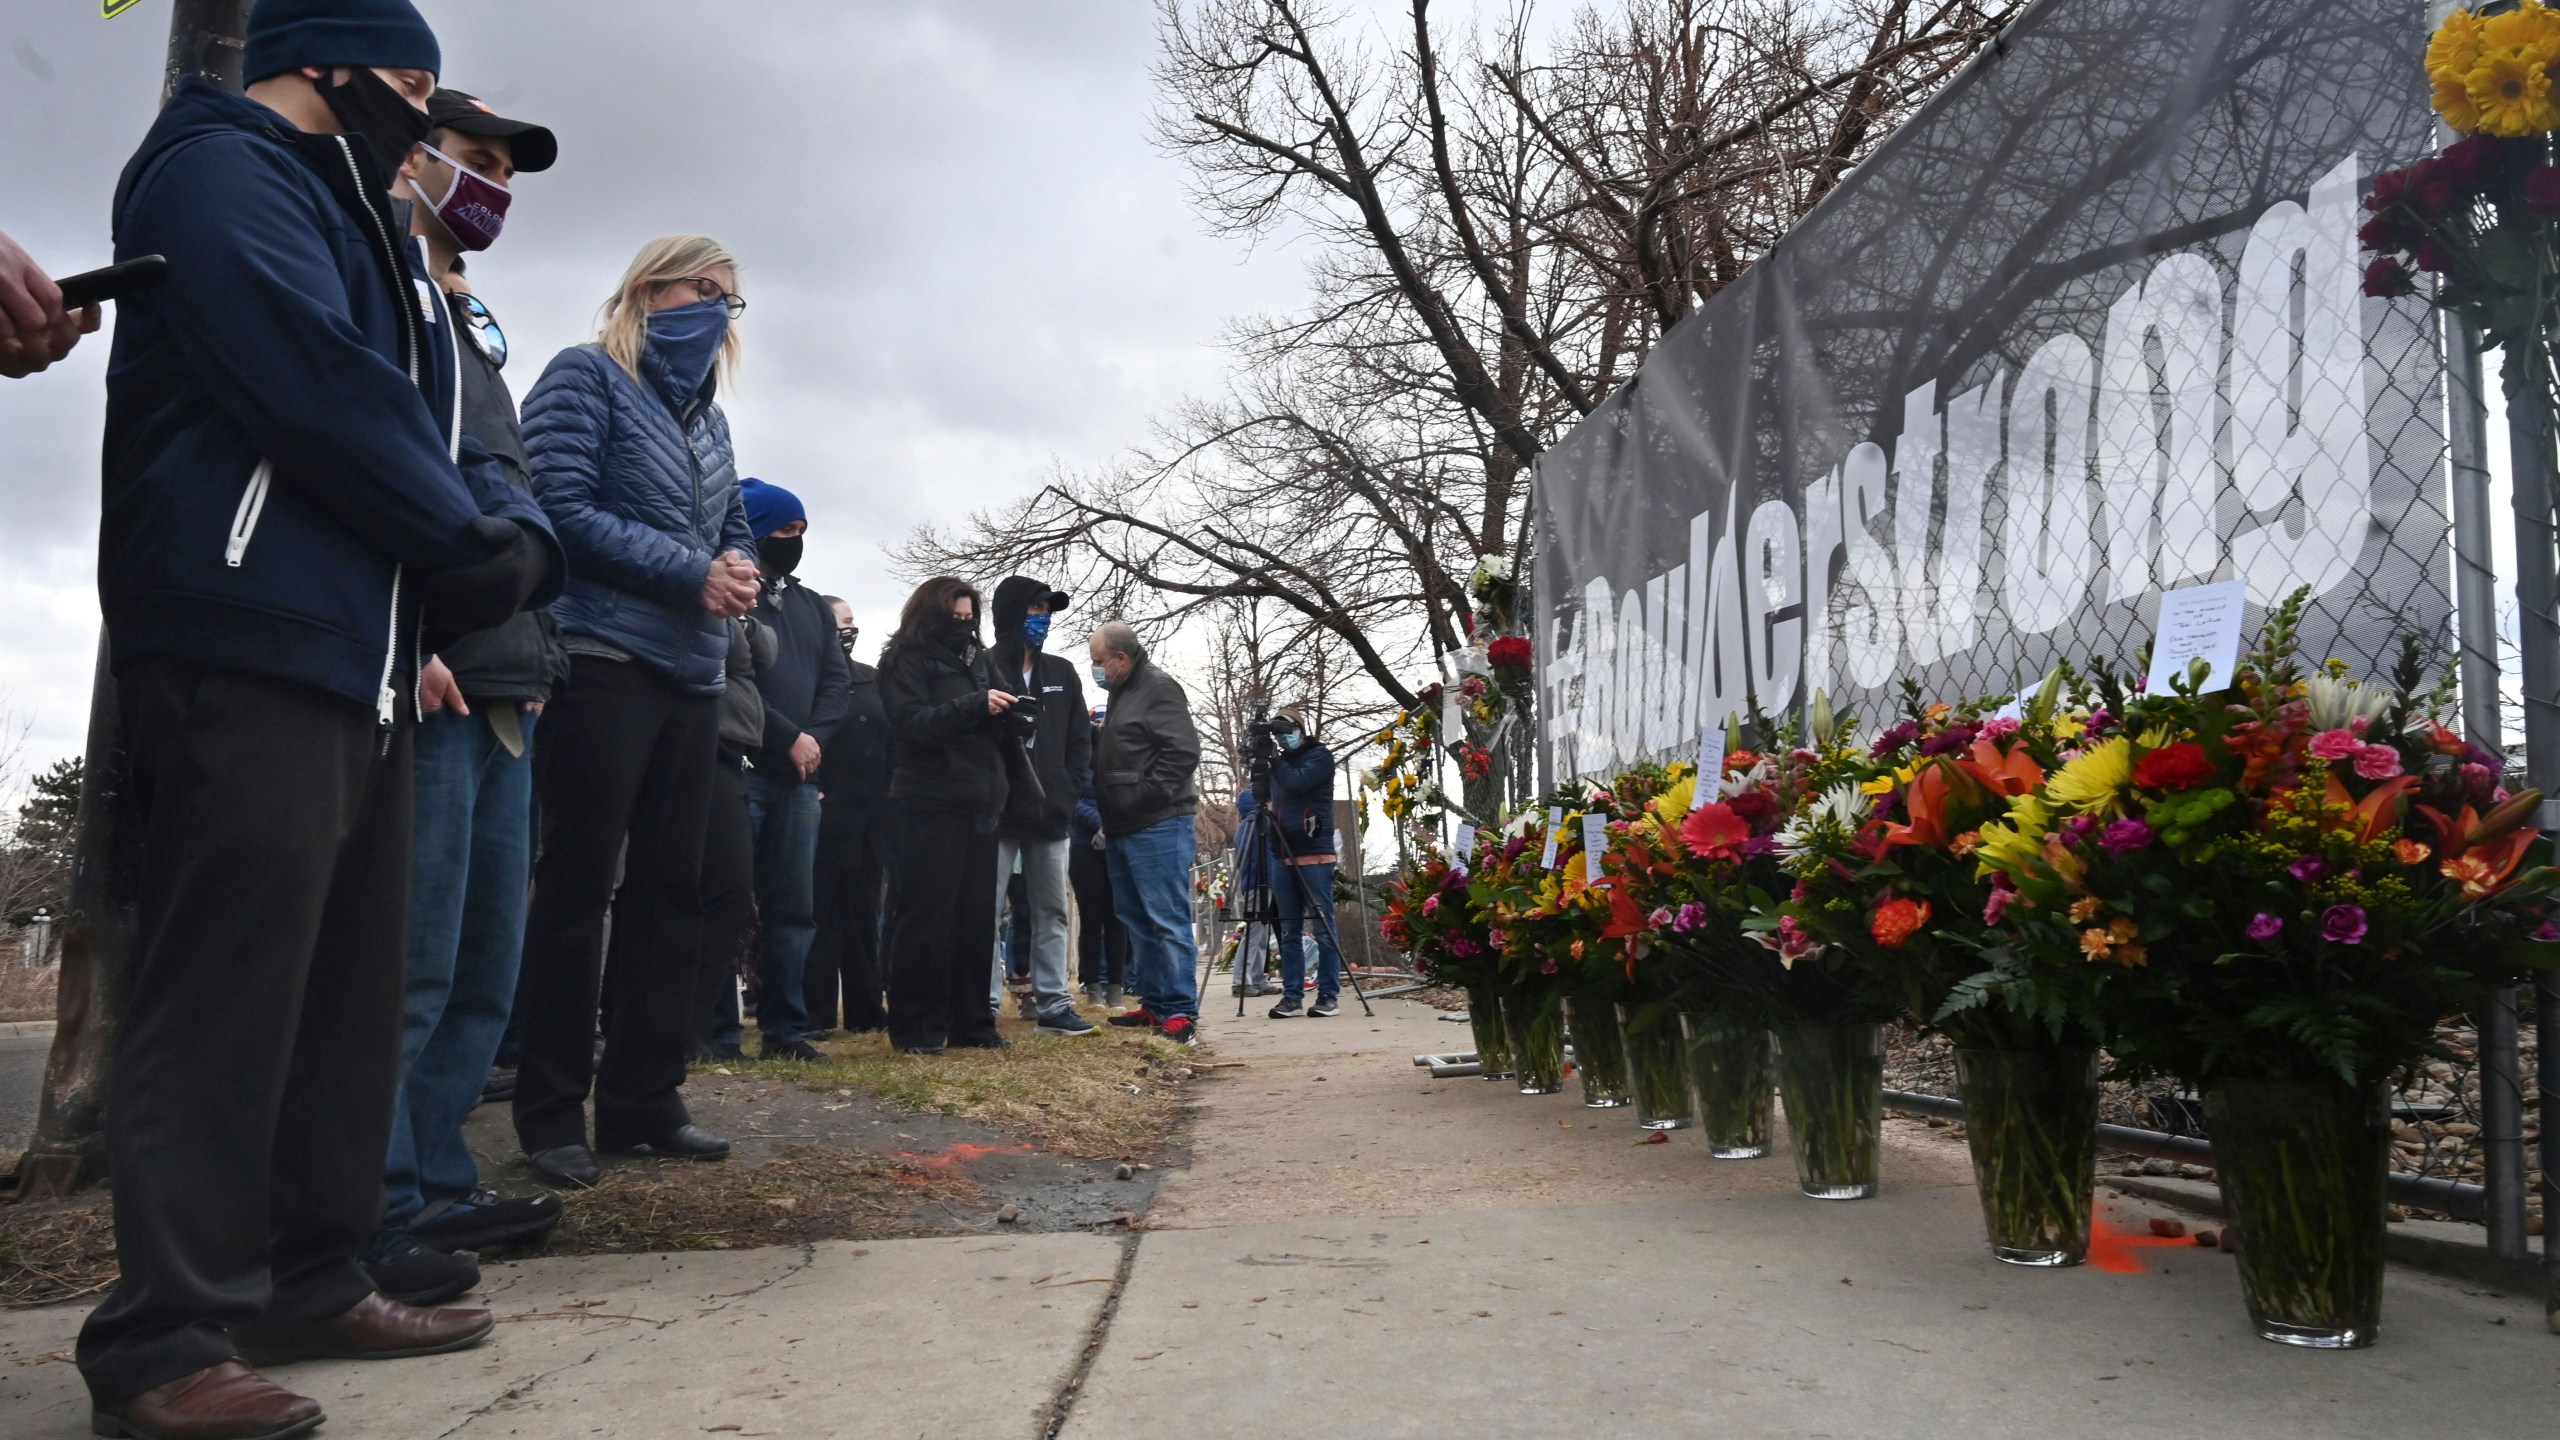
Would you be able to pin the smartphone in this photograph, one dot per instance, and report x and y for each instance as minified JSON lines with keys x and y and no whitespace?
{"x":115,"y":282}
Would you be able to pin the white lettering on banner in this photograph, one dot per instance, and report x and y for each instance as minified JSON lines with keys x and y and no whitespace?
{"x":2104,"y":452}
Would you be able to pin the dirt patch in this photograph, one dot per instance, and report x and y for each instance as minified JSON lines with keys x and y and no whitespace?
{"x":56,"y":1250}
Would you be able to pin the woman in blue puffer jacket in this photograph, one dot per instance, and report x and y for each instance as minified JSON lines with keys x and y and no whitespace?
{"x":630,"y":459}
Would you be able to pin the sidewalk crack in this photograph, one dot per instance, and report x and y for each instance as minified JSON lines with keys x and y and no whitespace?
{"x":1062,"y":1404}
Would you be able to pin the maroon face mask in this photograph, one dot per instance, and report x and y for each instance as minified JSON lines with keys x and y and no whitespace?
{"x":474,"y":210}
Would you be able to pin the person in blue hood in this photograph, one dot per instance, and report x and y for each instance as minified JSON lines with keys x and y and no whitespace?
{"x":630,"y":457}
{"x":290,"y":510}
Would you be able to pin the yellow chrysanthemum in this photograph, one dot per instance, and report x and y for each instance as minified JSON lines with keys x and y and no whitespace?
{"x":2528,"y":32}
{"x":2453,"y":102}
{"x":2455,"y":49}
{"x":2094,"y":783}
{"x":2068,"y":727}
{"x":2013,"y":844}
{"x":2514,"y":96}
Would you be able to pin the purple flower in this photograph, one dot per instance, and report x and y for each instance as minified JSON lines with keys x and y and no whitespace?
{"x":2547,"y":931}
{"x":1760,"y":845}
{"x":1895,"y":738}
{"x":2343,"y":924}
{"x":1951,"y":740}
{"x":2309,"y":869}
{"x":1692,"y":916}
{"x":1462,"y":947}
{"x":2264,"y":927}
{"x":2126,"y":836}
{"x":2081,"y":826}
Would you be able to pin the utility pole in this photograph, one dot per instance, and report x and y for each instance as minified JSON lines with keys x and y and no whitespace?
{"x":70,"y":1146}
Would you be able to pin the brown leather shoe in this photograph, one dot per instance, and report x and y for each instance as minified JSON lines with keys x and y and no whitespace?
{"x":228,"y":1401}
{"x":378,"y":1328}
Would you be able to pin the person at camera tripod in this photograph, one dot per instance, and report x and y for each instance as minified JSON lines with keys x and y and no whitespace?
{"x":1302,"y":802}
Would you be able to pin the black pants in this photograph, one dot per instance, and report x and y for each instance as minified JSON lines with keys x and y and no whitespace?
{"x":942,"y":928}
{"x":728,"y":907}
{"x":844,"y":962}
{"x":1102,"y":942}
{"x":260,"y":1051}
{"x":624,"y":753}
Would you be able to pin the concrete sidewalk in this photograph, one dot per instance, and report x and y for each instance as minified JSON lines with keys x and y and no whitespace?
{"x":1375,"y":1253}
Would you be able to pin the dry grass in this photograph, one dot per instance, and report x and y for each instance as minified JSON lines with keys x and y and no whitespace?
{"x":26,"y":991}
{"x":56,"y":1250}
{"x":805,"y":1194}
{"x":1114,"y":1095}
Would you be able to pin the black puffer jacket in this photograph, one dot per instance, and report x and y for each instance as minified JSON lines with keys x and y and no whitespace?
{"x":946,"y":744}
{"x":1061,"y":750}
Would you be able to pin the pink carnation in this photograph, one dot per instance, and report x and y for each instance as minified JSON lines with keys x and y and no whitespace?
{"x":2335,"y":744}
{"x":2377,"y":762}
{"x":1999,"y":727}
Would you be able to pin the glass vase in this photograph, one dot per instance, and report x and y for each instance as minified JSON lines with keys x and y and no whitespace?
{"x":1656,"y":1068}
{"x":2031,"y":1121}
{"x":2303,"y":1166}
{"x":1536,"y":1029}
{"x":1484,"y":1017}
{"x":1599,"y":1052}
{"x":1733,"y":1082}
{"x":1833,"y":1079}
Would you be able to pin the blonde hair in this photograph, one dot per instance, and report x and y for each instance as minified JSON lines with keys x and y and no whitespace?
{"x":623,"y":324}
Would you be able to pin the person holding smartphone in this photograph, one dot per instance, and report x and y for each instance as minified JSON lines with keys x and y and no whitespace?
{"x":35,"y":327}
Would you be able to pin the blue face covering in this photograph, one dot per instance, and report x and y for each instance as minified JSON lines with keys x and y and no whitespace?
{"x":686,"y":341}
{"x":1101,"y":677}
{"x":1035,"y":630}
{"x":1291,"y":739}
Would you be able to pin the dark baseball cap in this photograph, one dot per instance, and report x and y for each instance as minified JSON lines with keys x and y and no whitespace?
{"x":535,"y":147}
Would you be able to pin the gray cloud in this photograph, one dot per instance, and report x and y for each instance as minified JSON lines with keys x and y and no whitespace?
{"x":964,"y":259}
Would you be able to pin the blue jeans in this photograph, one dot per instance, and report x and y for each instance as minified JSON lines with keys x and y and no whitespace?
{"x":1294,"y":911}
{"x":472,"y":860}
{"x":784,"y":816}
{"x":1151,"y":893}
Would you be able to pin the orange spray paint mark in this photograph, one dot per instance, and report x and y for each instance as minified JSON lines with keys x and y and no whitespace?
{"x":2111,"y":1249}
{"x":952,"y":1160}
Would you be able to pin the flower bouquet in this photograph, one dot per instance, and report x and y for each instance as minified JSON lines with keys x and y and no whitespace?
{"x":2293,"y":882}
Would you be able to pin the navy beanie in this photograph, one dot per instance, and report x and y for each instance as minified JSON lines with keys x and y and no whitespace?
{"x":380,"y":34}
{"x":769,"y":507}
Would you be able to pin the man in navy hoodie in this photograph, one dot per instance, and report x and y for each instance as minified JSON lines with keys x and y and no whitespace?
{"x":289,"y":505}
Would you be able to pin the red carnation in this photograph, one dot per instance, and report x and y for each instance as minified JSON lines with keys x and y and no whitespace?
{"x":2182,"y":766}
{"x":1754,"y":806}
{"x":2388,"y":189}
{"x":1508,"y":652}
{"x":2387,"y":279}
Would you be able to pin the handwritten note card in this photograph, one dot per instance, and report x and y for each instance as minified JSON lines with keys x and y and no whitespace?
{"x":1595,"y":843}
{"x":1710,"y":765}
{"x":2198,"y":622}
{"x":1464,"y":846}
{"x":1555,"y":828}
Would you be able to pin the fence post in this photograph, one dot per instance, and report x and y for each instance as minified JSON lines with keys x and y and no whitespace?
{"x":2475,"y":588}
{"x":2529,"y":449}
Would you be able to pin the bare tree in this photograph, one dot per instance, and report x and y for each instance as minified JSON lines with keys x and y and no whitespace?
{"x":1501,"y":232}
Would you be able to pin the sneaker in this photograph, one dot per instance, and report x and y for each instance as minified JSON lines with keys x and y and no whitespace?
{"x":412,"y":1274}
{"x":1288,"y":1009}
{"x":988,"y":1041}
{"x":485,"y":1219}
{"x":823,"y":1032}
{"x":1180,"y":1029}
{"x":1027,"y":1006}
{"x":800,"y":1050}
{"x":1324,"y":1009}
{"x":1141,"y":1018}
{"x":1067,"y":1022}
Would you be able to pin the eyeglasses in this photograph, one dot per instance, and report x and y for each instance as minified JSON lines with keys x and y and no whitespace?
{"x":710,"y":292}
{"x":484,"y":328}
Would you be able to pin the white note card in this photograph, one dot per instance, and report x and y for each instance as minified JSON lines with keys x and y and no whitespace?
{"x":1555,"y":827}
{"x":1710,"y":765}
{"x":1465,"y":844}
{"x":2198,"y":622}
{"x":1595,"y":843}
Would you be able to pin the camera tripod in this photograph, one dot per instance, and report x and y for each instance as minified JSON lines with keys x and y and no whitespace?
{"x":1261,"y":904}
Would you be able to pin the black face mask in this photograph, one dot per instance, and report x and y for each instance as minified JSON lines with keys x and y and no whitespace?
{"x":373,"y":111}
{"x":781,"y":552}
{"x":846,"y":637}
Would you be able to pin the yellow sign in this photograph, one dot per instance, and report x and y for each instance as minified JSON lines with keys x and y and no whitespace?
{"x":110,"y":9}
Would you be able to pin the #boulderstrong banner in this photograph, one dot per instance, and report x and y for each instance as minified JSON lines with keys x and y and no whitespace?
{"x":2089,"y":327}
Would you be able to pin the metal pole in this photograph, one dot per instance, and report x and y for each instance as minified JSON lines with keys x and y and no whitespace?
{"x":2475,"y":586}
{"x":2529,"y":449}
{"x":69,"y":1148}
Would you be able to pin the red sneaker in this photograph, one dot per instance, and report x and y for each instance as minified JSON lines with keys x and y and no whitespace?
{"x":1180,"y":1029}
{"x":1141,"y":1018}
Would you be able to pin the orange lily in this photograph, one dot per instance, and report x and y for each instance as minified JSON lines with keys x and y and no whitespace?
{"x":2013,"y":773}
{"x":1926,"y":803}
{"x":2375,"y":813}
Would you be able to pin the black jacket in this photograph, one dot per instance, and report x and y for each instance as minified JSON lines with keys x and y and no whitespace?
{"x":283,"y":458}
{"x":804,"y":689}
{"x":752,"y":651}
{"x":855,"y":773}
{"x":946,"y":744}
{"x":1144,"y":762}
{"x":1302,"y":798}
{"x":521,"y":658}
{"x":1062,"y":745}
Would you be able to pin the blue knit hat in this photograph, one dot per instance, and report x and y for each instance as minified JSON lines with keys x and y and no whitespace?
{"x":384,"y":34}
{"x":769,"y":507}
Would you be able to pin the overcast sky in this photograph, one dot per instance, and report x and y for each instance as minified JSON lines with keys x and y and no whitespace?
{"x":964,"y":259}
